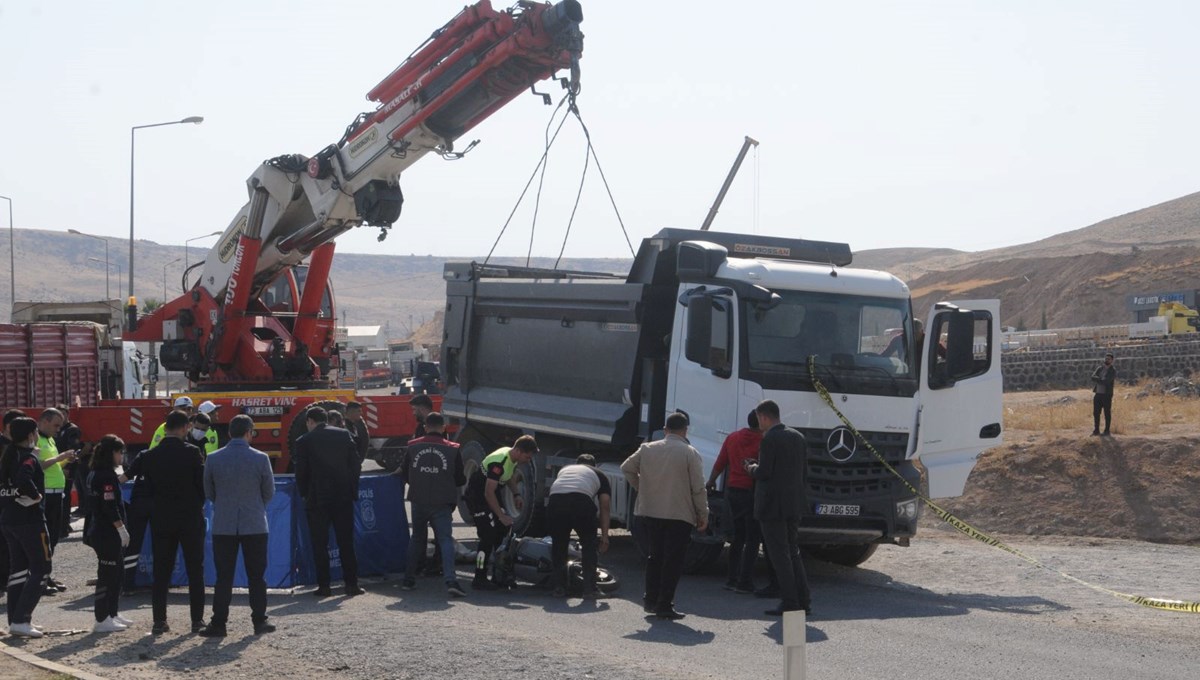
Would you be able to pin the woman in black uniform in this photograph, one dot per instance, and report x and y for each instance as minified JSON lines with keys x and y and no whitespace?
{"x":23,"y":525}
{"x":105,"y":531}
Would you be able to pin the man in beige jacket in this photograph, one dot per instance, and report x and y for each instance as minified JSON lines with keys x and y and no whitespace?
{"x":669,"y":479}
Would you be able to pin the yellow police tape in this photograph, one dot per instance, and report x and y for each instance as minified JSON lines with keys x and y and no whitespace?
{"x":1152,"y":602}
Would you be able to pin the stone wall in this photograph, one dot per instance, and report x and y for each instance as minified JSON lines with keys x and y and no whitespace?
{"x":1064,"y":368}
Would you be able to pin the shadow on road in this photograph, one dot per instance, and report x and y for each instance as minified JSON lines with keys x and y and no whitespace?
{"x":673,"y":633}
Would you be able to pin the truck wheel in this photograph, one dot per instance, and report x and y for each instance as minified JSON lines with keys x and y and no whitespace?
{"x":698,"y":558}
{"x":391,"y":454}
{"x":527,"y":490}
{"x":845,"y":555}
{"x":298,"y":429}
{"x":472,"y":456}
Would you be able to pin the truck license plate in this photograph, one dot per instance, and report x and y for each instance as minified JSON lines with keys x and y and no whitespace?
{"x":838,"y":510}
{"x":263,"y":410}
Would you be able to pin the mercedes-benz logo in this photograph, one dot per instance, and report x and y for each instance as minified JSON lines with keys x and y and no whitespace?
{"x":841,"y":444}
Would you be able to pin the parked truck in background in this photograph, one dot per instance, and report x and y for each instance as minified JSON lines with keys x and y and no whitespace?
{"x":74,"y":363}
{"x":712,"y":323}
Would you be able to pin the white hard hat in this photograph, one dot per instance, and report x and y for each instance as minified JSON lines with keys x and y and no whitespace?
{"x":207,"y":407}
{"x":183,"y":402}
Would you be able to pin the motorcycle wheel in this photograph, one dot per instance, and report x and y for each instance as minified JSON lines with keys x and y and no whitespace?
{"x":606,"y":581}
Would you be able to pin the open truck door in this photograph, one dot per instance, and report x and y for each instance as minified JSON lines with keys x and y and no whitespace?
{"x":961,"y":392}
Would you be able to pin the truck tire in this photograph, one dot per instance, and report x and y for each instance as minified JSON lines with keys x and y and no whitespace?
{"x":298,"y":428}
{"x":699,"y":557}
{"x":391,"y":454}
{"x":473,"y":454}
{"x":845,"y":555}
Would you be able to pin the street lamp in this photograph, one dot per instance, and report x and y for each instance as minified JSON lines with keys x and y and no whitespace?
{"x":164,"y":300}
{"x":12,"y":258}
{"x":195,"y":238}
{"x":107,"y":293}
{"x":190,"y":119}
{"x":120,"y":269}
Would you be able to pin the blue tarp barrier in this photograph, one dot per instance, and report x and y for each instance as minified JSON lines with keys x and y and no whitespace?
{"x":380,"y":537}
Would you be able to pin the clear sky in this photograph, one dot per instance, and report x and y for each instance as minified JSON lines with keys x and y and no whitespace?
{"x":962,"y":123}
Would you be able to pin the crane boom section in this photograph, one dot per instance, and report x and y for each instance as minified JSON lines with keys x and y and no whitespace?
{"x":230,"y":327}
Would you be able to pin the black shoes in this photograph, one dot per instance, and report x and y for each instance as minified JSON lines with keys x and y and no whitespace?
{"x":62,"y":587}
{"x":351,"y":591}
{"x":767,"y":591}
{"x":323,"y":591}
{"x":744,"y":588}
{"x":160,"y":627}
{"x":408,"y":584}
{"x":263,"y":628}
{"x":669,"y":614}
{"x":213,"y":630}
{"x":198,"y":626}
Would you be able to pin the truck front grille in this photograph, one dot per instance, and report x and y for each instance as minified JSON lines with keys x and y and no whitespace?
{"x":861,"y":474}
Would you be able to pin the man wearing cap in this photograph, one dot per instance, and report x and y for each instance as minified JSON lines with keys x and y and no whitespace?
{"x":201,"y":433}
{"x":209,"y":409}
{"x":182,"y":404}
{"x":492,"y":523}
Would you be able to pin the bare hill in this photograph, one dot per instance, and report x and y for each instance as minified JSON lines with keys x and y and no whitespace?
{"x":1079,"y":277}
{"x":1174,"y":223}
{"x":1082,"y":290}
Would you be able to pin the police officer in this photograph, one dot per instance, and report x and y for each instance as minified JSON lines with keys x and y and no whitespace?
{"x":433,"y":470}
{"x":492,"y":523}
{"x":141,"y":505}
{"x":105,"y":531}
{"x":22,"y":487}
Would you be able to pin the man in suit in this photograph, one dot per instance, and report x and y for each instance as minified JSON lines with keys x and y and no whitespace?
{"x":778,"y":504}
{"x":239,"y":482}
{"x":175,"y":472}
{"x":671,"y":499}
{"x":327,"y":469}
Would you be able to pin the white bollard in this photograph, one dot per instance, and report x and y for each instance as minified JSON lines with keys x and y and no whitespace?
{"x":793,"y":644}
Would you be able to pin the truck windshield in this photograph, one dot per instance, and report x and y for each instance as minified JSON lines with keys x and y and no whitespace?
{"x":861,"y":344}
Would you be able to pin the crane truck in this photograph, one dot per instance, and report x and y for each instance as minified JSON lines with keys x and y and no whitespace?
{"x":711,"y":323}
{"x":255,"y":330}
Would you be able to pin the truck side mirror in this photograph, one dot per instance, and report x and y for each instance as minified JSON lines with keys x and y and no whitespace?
{"x":960,"y":344}
{"x":699,"y":329}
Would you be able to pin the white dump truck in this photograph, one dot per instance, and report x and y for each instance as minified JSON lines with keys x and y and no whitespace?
{"x":711,"y":323}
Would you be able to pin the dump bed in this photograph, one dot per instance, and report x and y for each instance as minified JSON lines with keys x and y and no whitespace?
{"x":46,"y":364}
{"x":546,"y":351}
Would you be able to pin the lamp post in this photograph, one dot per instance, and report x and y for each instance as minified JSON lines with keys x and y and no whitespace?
{"x":164,"y":300}
{"x":12,"y":258}
{"x":107,"y":293}
{"x":190,"y":119}
{"x":120,"y":269}
{"x":186,"y":261}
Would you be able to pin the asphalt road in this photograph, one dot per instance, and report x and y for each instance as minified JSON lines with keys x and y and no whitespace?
{"x":943,"y":608}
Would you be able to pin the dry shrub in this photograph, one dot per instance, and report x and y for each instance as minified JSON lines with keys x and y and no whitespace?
{"x":1148,"y":415}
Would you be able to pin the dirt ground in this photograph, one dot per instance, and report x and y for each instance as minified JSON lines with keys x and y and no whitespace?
{"x":1069,"y":483}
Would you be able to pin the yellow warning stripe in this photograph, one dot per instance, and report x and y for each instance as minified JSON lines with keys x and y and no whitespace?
{"x":983,"y":537}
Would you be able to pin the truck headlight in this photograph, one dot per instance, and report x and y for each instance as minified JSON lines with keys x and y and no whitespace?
{"x":907,"y":510}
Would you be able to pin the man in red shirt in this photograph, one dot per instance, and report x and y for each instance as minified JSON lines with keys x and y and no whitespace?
{"x":739,"y":493}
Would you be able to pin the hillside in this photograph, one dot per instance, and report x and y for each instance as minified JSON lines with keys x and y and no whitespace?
{"x":1174,"y":223}
{"x":398,"y":291}
{"x":1079,"y":277}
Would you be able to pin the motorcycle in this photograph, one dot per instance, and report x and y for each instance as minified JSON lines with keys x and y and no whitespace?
{"x":529,"y":560}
